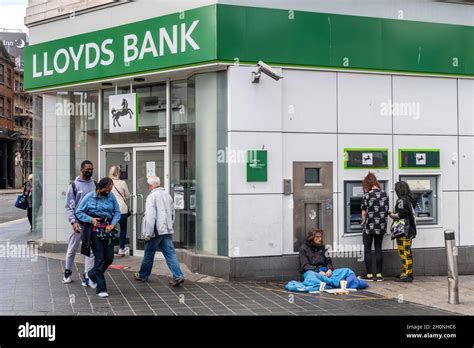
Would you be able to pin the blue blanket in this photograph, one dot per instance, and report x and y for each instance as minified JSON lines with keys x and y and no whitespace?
{"x":312,"y":280}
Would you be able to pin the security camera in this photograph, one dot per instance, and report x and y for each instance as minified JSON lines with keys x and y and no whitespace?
{"x":267,"y":70}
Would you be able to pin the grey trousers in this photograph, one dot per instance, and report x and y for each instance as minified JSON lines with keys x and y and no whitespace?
{"x":73,"y":244}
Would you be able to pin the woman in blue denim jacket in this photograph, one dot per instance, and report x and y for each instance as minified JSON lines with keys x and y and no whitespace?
{"x":100,"y":211}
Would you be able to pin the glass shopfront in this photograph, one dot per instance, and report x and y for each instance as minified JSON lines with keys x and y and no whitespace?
{"x":166,"y":144}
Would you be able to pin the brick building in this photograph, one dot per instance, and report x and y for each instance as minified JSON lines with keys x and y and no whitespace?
{"x":7,"y":134}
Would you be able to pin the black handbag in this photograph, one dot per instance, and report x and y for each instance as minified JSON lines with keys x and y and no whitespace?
{"x":400,"y":228}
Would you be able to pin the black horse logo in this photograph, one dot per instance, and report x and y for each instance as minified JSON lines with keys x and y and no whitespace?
{"x":366,"y":159}
{"x":116,"y":114}
{"x":420,"y":158}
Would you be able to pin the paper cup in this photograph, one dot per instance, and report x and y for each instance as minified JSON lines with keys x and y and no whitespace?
{"x":343,"y":284}
{"x":322,"y":286}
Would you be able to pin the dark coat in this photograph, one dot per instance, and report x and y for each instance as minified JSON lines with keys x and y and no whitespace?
{"x":86,"y":238}
{"x":403,"y":207}
{"x":312,"y":257}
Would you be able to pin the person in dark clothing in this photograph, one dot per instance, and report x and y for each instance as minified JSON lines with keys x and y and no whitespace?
{"x":404,"y":209}
{"x":314,"y":255}
{"x":375,"y":206}
{"x":28,"y":192}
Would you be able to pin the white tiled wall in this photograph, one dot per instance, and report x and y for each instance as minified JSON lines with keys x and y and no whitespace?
{"x":315,"y":123}
{"x":56,"y":177}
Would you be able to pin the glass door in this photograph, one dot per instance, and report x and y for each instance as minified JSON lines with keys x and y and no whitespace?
{"x":121,"y":157}
{"x":147,"y":162}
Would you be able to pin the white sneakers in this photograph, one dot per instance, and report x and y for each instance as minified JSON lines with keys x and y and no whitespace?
{"x":124,"y":252}
{"x":87,"y":282}
{"x":103,"y":294}
{"x":67,"y":276}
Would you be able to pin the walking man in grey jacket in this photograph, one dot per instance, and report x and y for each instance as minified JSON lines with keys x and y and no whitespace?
{"x":76,"y":191}
{"x":157,"y":231}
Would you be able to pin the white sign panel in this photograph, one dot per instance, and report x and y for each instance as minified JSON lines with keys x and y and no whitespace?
{"x":150,"y":169}
{"x":367,"y":159}
{"x":420,"y":159}
{"x":357,"y":191}
{"x":419,"y":185}
{"x":178,"y":197}
{"x":123,"y":113}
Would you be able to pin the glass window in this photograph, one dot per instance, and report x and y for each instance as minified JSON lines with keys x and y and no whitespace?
{"x":2,"y":73}
{"x":9,"y":76}
{"x":311,"y":176}
{"x":198,"y":179}
{"x":37,"y":163}
{"x":77,"y":125}
{"x":183,"y":160}
{"x":151,"y":115}
{"x":9,"y":108}
{"x":2,"y":105}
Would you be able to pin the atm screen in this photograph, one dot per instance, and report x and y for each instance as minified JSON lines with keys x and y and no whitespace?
{"x":424,"y":204}
{"x":355,"y":211}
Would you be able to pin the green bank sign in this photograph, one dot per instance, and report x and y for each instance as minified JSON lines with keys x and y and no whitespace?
{"x":168,"y":41}
{"x":238,"y":34}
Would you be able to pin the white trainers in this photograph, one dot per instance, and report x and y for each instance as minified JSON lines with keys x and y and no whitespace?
{"x":121,"y":252}
{"x":92,"y":284}
{"x":87,"y":282}
{"x":67,"y":277}
{"x":103,"y":294}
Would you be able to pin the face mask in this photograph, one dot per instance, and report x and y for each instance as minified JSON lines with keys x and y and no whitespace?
{"x":88,"y":174}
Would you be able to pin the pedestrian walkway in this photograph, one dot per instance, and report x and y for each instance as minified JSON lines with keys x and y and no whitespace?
{"x":430,"y":291}
{"x":32,"y":286}
{"x":10,"y":191}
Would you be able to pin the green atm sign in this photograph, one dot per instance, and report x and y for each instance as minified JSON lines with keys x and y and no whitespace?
{"x":363,"y":158}
{"x":257,"y":165}
{"x":418,"y":158}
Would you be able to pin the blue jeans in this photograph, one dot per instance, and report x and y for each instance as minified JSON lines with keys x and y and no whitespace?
{"x":104,"y":257}
{"x":123,"y":230}
{"x":165,"y":244}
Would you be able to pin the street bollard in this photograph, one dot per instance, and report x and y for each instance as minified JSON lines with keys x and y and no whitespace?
{"x":452,"y":258}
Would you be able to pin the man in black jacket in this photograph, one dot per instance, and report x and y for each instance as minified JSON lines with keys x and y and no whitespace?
{"x":314,"y":255}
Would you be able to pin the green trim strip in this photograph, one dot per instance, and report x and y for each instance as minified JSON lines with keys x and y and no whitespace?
{"x":232,"y":34}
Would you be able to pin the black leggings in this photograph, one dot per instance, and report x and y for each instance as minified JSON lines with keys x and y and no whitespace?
{"x":367,"y":240}
{"x":29,"y":213}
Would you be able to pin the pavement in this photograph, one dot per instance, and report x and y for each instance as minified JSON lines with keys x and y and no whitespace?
{"x":430,"y":291}
{"x":7,"y":206}
{"x":31,"y":285}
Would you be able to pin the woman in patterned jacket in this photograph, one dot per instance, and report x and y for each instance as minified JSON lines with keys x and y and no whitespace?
{"x":375,"y":206}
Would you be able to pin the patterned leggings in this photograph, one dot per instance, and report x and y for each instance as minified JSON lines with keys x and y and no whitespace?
{"x":404,"y":250}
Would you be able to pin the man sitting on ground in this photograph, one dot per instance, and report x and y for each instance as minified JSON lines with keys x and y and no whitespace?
{"x":316,"y":267}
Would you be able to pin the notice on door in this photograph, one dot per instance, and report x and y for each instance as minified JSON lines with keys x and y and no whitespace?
{"x":178,"y":197}
{"x":150,"y":169}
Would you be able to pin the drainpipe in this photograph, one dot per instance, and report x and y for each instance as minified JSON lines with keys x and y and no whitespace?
{"x":452,"y":258}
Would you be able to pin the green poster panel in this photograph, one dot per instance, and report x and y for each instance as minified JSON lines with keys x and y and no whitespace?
{"x":257,"y":165}
{"x":419,"y":158}
{"x":365,"y":158}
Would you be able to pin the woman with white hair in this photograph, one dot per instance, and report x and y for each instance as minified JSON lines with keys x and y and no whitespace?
{"x":121,"y":193}
{"x":28,"y":191}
